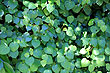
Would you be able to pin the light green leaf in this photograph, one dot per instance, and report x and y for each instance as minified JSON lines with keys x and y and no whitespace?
{"x":99,"y":2}
{"x":70,"y":54}
{"x":95,"y":51}
{"x":29,"y":61}
{"x":83,"y":51}
{"x":4,"y":49}
{"x":35,"y":43}
{"x":60,"y":58}
{"x":58,"y":30}
{"x":43,"y":62}
{"x":66,"y":64}
{"x":37,"y":53}
{"x":108,"y":66}
{"x":8,"y":18}
{"x":103,"y":28}
{"x":91,"y":68}
{"x":56,"y":68}
{"x":31,"y":5}
{"x":47,"y":71}
{"x":85,"y":62}
{"x":70,"y":19}
{"x":26,"y":3}
{"x":69,"y":32}
{"x":23,"y":67}
{"x":47,"y":58}
{"x":100,"y":63}
{"x":100,"y":23}
{"x":14,"y":46}
{"x":35,"y":65}
{"x":45,"y":38}
{"x":14,"y":54}
{"x":94,"y":29}
{"x":2,"y":70}
{"x":73,"y":47}
{"x":91,"y":22}
{"x":50,"y":7}
{"x":1,"y":12}
{"x":107,"y":51}
{"x":48,"y":50}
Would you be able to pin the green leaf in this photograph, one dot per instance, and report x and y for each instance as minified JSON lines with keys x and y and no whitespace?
{"x":35,"y":65}
{"x":69,"y":5}
{"x":2,"y":70}
{"x":14,"y":54}
{"x":95,"y":51}
{"x":93,"y":41}
{"x":47,"y":71}
{"x":45,"y":38}
{"x":100,"y":63}
{"x":70,"y":54}
{"x":58,"y":30}
{"x":50,"y":7}
{"x":23,"y":67}
{"x":64,"y":71}
{"x":31,"y":5}
{"x":29,"y":61}
{"x":91,"y":22}
{"x":55,"y":12}
{"x":8,"y":18}
{"x":99,"y":2}
{"x":48,"y":50}
{"x":35,"y":43}
{"x":70,"y":19}
{"x":103,"y":28}
{"x":1,"y":12}
{"x":69,"y":32}
{"x":87,"y":10}
{"x":108,"y":66}
{"x":76,"y":8}
{"x":83,"y":51}
{"x":85,"y":62}
{"x":47,"y":58}
{"x":99,"y":72}
{"x":60,"y":58}
{"x":85,"y":41}
{"x":43,"y":62}
{"x":12,"y":4}
{"x":73,"y":47}
{"x":4,"y":49}
{"x":14,"y":46}
{"x":100,"y":23}
{"x":94,"y":29}
{"x":37,"y":53}
{"x":8,"y":68}
{"x":108,"y":6}
{"x":26,"y":3}
{"x":91,"y":68}
{"x":56,"y":68}
{"x":66,"y":64}
{"x":102,"y":42}
{"x":107,"y":51}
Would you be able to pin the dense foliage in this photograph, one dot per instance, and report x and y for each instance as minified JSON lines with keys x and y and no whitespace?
{"x":54,"y":36}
